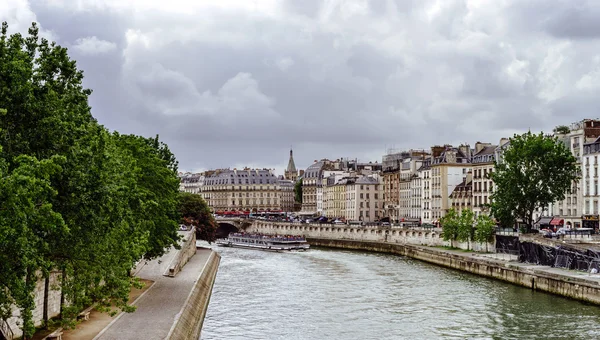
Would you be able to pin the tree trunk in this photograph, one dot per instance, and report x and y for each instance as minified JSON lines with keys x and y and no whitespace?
{"x":62,"y":293}
{"x":46,"y":290}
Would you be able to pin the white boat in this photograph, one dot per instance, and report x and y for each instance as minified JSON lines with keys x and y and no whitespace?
{"x":265,"y":242}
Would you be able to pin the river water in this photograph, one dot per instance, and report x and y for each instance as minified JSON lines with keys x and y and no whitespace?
{"x":337,"y":294}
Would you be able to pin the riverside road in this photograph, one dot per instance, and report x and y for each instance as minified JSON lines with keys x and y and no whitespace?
{"x":336,"y":294}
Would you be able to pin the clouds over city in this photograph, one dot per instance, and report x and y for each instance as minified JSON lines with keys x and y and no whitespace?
{"x":228,"y":83}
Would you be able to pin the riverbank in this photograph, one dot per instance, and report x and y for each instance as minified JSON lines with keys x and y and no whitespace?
{"x":566,"y":283}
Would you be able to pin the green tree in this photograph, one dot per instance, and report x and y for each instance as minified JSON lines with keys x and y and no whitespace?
{"x":562,"y":129}
{"x":484,"y":230}
{"x":194,"y":211}
{"x":450,"y":226}
{"x":535,"y":170}
{"x":90,"y":203}
{"x":298,"y":191}
{"x":466,"y":229}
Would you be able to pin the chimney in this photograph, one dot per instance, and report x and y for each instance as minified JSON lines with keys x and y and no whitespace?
{"x":466,"y":150}
{"x":437,"y":150}
{"x":503,"y":141}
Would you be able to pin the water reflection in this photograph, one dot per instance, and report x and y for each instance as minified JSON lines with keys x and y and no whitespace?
{"x":331,"y":294}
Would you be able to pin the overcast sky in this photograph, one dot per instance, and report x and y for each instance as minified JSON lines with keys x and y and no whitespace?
{"x":231,"y":83}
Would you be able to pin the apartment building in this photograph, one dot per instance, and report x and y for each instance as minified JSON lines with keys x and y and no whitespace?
{"x":424,"y":173}
{"x":462,"y":195}
{"x":448,"y":169}
{"x":364,"y":199}
{"x":590,"y":192}
{"x":483,"y":165}
{"x":574,"y":138}
{"x":242,"y":190}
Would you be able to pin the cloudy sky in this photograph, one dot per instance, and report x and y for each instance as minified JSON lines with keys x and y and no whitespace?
{"x":230,"y":83}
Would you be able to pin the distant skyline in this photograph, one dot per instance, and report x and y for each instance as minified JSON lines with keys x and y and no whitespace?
{"x":235,"y":83}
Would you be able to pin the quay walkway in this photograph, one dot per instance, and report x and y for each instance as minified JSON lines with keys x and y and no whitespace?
{"x":170,"y":299}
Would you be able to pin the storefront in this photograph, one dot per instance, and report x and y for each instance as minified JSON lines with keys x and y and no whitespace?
{"x":557,"y":223}
{"x":590,"y":221}
{"x":544,"y":222}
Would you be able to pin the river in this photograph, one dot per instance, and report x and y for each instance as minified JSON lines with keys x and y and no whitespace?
{"x":338,"y":294}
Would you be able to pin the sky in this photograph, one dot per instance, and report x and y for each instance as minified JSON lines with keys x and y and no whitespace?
{"x":237,"y":83}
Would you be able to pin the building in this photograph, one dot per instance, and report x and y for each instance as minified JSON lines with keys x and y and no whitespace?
{"x":364,"y":199}
{"x":574,"y":138}
{"x":286,"y":194}
{"x":448,"y":169}
{"x":391,"y":183}
{"x":190,"y":182}
{"x":251,"y":190}
{"x":424,"y":174}
{"x":290,"y":172}
{"x":462,"y":195}
{"x":408,"y":169}
{"x":590,"y":191}
{"x":483,"y":165}
{"x":311,"y":179}
{"x":416,"y":194}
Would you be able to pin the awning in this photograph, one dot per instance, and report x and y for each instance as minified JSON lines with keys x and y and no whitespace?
{"x":557,"y":221}
{"x":544,"y":220}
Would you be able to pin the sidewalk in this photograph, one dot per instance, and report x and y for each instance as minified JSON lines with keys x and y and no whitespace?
{"x":157,"y":309}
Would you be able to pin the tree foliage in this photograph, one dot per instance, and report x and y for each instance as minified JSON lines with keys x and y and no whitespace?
{"x":73,"y":196}
{"x":535,"y":170}
{"x":463,"y":227}
{"x":194,"y":211}
{"x":484,"y":229}
{"x":562,"y":129}
{"x":298,"y":191}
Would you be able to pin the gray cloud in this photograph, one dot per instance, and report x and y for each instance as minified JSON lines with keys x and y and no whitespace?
{"x":230,"y":84}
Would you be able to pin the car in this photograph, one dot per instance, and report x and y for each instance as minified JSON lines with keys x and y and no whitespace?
{"x":338,"y":222}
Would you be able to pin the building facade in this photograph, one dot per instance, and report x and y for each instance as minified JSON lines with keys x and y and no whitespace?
{"x":571,"y":209}
{"x":391,"y":184}
{"x":462,"y":195}
{"x":190,"y":182}
{"x":286,"y":194}
{"x":482,"y":186}
{"x":590,"y":192}
{"x":364,"y":199}
{"x":251,"y":190}
{"x":447,"y":171}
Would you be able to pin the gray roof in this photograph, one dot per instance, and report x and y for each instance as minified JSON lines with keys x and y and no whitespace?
{"x":239,"y":177}
{"x":291,"y":165}
{"x":367,"y":180}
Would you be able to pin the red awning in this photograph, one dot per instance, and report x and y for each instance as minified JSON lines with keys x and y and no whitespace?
{"x":557,"y":221}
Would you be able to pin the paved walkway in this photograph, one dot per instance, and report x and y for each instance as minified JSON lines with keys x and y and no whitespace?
{"x":157,"y":309}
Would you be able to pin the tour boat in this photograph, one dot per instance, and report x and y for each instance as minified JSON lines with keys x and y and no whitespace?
{"x":265,"y":242}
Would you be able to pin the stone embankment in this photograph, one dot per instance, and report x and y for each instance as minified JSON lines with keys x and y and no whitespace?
{"x":419,"y":244}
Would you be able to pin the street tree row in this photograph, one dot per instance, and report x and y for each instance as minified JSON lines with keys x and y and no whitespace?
{"x":74,"y":197}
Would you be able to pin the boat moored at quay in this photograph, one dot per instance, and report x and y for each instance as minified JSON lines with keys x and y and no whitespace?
{"x":278,"y":243}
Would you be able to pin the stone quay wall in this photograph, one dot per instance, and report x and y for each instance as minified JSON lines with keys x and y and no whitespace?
{"x":575,"y":288}
{"x":415,"y":236}
{"x":188,"y":249}
{"x":54,"y":292}
{"x":188,"y":324}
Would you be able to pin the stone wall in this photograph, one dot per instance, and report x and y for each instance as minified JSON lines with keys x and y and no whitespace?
{"x":54,"y":292}
{"x":191,"y":318}
{"x":188,"y":249}
{"x":579,"y":289}
{"x":415,"y":236}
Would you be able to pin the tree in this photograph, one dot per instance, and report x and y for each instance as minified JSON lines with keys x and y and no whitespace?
{"x":77,"y":198}
{"x":562,"y":129}
{"x":466,"y":229}
{"x":450,"y":225}
{"x":535,"y":170}
{"x":194,"y":210}
{"x":298,"y":191}
{"x":484,"y":230}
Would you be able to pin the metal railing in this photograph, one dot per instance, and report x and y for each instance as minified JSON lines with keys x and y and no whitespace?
{"x":5,"y":330}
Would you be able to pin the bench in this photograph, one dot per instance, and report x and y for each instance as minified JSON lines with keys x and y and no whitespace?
{"x":56,"y":335}
{"x":85,"y":314}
